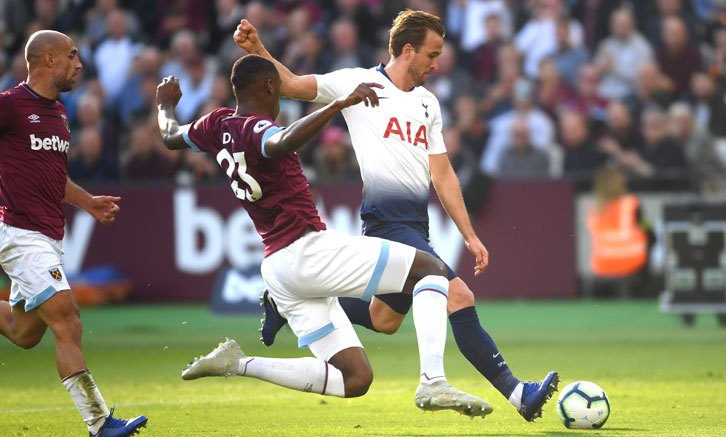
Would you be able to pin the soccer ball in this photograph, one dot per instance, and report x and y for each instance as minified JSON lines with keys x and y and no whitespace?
{"x":583,"y":405}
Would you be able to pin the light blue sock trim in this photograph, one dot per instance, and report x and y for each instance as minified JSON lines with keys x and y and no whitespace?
{"x":436,"y":287}
{"x":268,"y":133}
{"x":38,"y":299}
{"x":377,"y":271}
{"x":189,"y":141}
{"x":316,"y":335}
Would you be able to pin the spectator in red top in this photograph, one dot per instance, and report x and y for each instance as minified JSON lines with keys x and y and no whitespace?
{"x":588,"y":101}
{"x":678,"y":58}
{"x":552,"y":91}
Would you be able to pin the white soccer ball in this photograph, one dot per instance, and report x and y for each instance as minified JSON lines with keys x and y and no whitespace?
{"x":583,"y":405}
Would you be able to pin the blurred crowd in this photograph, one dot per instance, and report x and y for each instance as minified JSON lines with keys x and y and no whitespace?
{"x":533,"y":89}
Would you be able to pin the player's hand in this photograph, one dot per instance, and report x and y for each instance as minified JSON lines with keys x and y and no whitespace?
{"x":362,"y":93}
{"x":104,"y":208}
{"x":247,"y":38}
{"x":168,"y":92}
{"x":481,"y":254}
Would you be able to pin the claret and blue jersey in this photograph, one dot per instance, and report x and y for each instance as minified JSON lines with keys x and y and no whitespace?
{"x":274,"y":192}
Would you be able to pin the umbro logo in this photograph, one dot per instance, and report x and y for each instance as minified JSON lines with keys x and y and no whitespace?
{"x":34,"y":118}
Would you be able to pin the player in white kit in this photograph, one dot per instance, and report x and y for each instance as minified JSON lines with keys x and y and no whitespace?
{"x":400,"y":150}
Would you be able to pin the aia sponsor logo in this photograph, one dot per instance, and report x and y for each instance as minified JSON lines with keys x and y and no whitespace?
{"x":405,"y":133}
{"x":34,"y":118}
{"x":52,"y":143}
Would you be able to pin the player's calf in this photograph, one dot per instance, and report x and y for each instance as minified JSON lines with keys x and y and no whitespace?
{"x":357,"y":373}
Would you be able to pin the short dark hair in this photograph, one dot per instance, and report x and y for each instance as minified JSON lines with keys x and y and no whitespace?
{"x":410,"y":27}
{"x":249,"y":69}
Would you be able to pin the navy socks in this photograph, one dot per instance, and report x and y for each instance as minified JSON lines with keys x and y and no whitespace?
{"x":479,"y":348}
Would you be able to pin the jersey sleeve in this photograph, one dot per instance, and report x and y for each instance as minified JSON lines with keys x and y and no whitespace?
{"x":262,"y":130}
{"x":6,"y":111}
{"x":336,"y":84}
{"x":201,"y":136}
{"x":436,"y":138}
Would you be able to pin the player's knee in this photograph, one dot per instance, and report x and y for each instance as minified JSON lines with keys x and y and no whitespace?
{"x":28,"y":341}
{"x":389,"y":327}
{"x":358,"y":383}
{"x":460,"y":296}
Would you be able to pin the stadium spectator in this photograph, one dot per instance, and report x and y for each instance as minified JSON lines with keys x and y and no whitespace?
{"x":134,"y":97}
{"x":521,"y":160}
{"x":594,"y":15}
{"x":470,"y":125}
{"x":89,"y":163}
{"x":665,"y":10}
{"x":653,"y":88}
{"x":581,"y":155}
{"x":710,"y":106}
{"x":538,"y":38}
{"x":197,"y":77}
{"x":678,"y":58}
{"x":660,"y":163}
{"x":620,"y":56}
{"x":476,"y":13}
{"x":704,"y":164}
{"x":362,"y":15}
{"x":552,"y":91}
{"x":482,"y":61}
{"x":334,"y":158}
{"x":304,"y":55}
{"x":15,"y":74}
{"x":114,"y":55}
{"x":345,"y":50}
{"x":540,"y":127}
{"x":498,"y":97}
{"x":587,"y":99}
{"x":620,"y":132}
{"x":147,"y":158}
{"x":567,"y":57}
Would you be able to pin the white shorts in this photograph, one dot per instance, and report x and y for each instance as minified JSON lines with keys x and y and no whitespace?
{"x":33,"y":262}
{"x":306,"y":278}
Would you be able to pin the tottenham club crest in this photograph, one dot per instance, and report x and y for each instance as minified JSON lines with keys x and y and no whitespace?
{"x":65,"y":122}
{"x":56,"y":274}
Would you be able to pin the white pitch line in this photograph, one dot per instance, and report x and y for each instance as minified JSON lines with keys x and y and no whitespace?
{"x":177,"y":402}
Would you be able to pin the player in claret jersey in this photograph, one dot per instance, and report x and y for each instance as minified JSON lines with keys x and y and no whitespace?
{"x":34,"y":140}
{"x":306,"y":266}
{"x":400,"y":150}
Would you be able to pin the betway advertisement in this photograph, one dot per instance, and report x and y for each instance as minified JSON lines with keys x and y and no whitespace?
{"x":171,"y":242}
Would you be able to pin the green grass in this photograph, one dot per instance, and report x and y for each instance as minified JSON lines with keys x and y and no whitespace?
{"x":662,"y":378}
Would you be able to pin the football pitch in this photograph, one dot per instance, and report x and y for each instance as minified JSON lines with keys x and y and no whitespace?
{"x":662,"y":378}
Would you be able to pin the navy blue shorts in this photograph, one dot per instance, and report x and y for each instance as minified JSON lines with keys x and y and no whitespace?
{"x":415,"y":234}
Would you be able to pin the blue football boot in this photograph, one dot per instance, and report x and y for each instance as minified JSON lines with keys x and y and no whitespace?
{"x":120,"y":428}
{"x":535,"y":394}
{"x":272,"y":321}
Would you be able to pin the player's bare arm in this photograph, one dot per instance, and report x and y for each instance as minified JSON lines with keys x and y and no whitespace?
{"x":301,"y":131}
{"x":293,"y":86}
{"x":168,"y":94}
{"x":449,"y":191}
{"x":102,"y":208}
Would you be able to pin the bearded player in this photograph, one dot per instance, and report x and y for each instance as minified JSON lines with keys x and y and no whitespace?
{"x":400,"y":150}
{"x":34,"y":141}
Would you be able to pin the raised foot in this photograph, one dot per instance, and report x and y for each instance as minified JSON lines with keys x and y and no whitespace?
{"x":442,"y":396}
{"x":222,"y":361}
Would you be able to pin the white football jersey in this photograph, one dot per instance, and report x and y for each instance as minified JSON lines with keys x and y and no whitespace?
{"x":392,"y":142}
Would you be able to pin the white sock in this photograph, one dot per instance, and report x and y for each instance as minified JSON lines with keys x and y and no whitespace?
{"x":88,"y":399}
{"x":429,"y":318}
{"x":304,"y":374}
{"x":516,"y":397}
